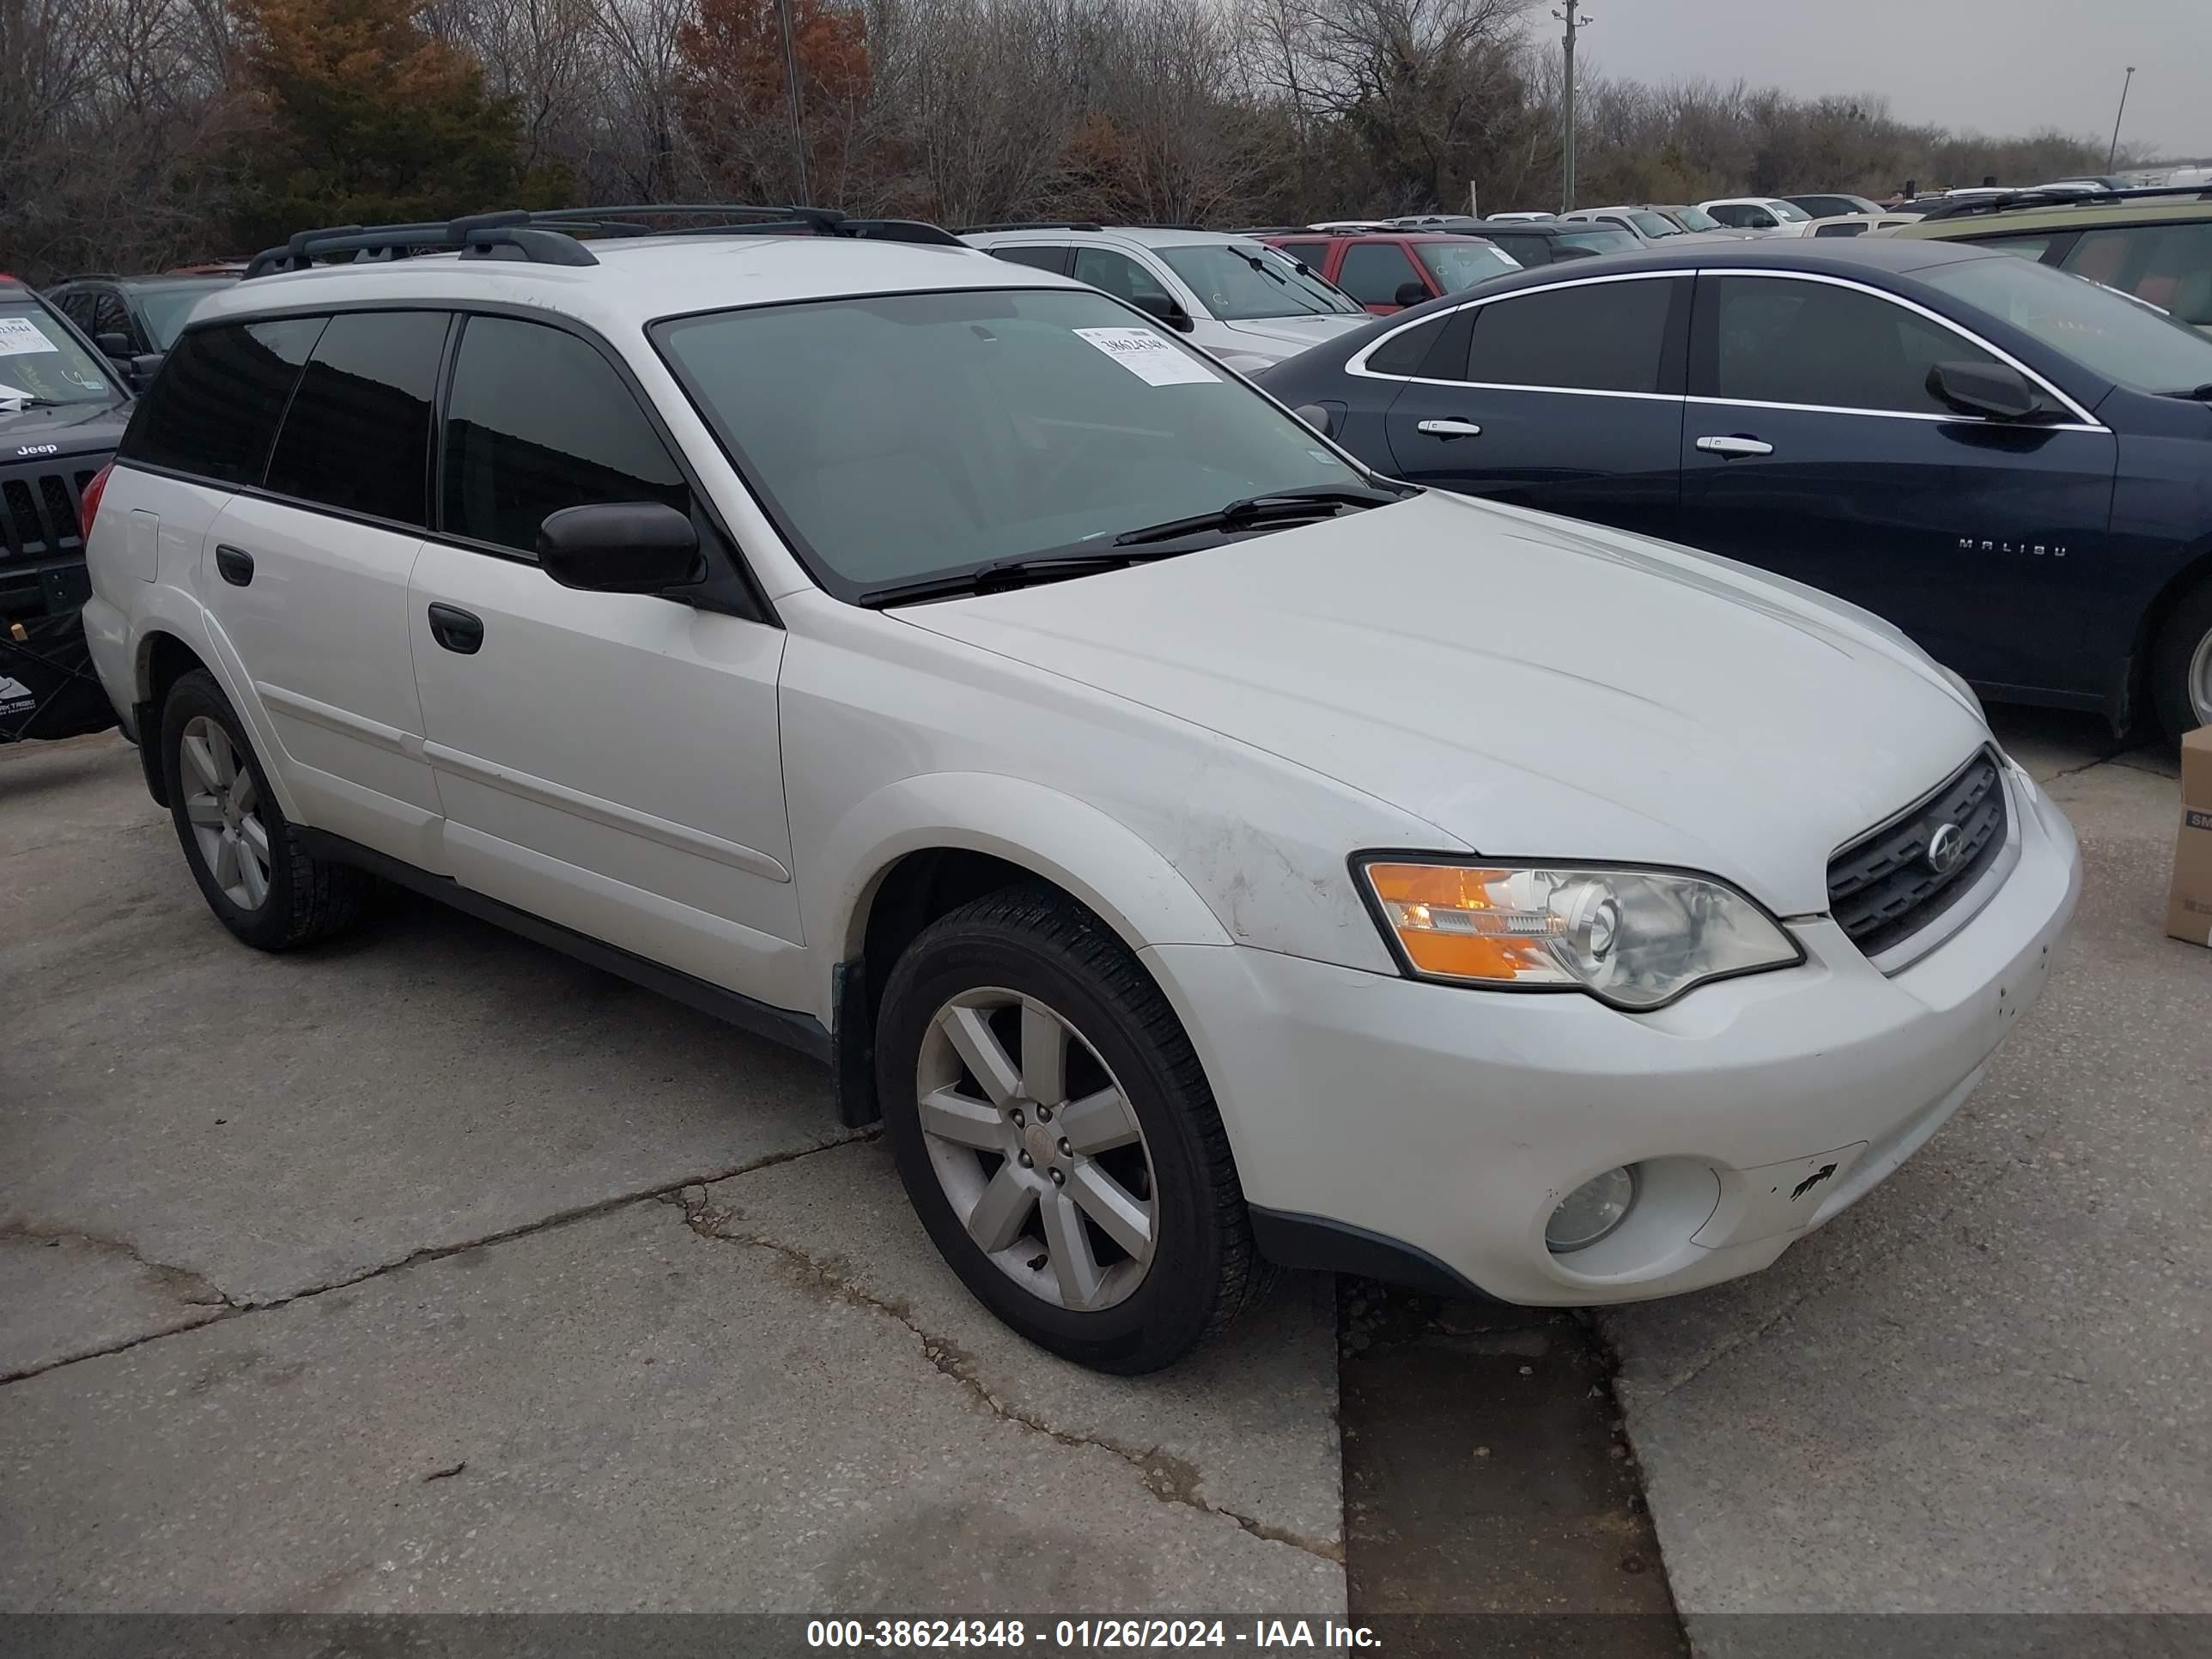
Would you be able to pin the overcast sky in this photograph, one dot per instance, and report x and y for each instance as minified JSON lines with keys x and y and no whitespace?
{"x":2000,"y":66}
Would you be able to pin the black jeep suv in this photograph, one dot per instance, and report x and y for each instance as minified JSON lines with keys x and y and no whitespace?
{"x":62,"y":413}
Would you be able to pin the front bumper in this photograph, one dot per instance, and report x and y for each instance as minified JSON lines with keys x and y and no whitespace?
{"x":1449,"y":1123}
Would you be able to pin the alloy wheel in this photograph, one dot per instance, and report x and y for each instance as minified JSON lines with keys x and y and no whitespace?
{"x":2200,"y":681}
{"x":223,"y":805}
{"x":1038,"y":1149}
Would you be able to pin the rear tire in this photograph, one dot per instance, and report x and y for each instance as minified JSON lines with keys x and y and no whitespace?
{"x":243,"y":851}
{"x":1016,"y":1169}
{"x":2181,"y":665}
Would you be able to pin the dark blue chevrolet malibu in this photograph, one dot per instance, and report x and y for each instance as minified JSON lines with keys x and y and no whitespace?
{"x":2013,"y":464}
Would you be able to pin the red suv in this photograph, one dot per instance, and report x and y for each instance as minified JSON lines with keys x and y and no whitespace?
{"x":1388,"y":270}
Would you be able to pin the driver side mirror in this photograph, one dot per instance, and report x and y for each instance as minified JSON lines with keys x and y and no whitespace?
{"x":1991,"y":390}
{"x":116,"y":348}
{"x":143,"y":367}
{"x":1409,"y":294}
{"x":1165,"y":310}
{"x":620,"y":547}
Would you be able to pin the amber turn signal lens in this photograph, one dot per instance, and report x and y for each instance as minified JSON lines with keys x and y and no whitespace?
{"x":1459,"y":922}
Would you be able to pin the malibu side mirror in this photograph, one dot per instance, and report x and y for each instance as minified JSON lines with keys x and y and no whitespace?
{"x":1409,"y":294}
{"x":619,"y":547}
{"x":1990,"y":390}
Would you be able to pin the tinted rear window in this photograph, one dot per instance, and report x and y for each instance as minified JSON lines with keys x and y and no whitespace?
{"x":1598,"y":337}
{"x":357,"y":435}
{"x":212,"y":411}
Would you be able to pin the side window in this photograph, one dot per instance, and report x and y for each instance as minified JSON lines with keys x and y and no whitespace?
{"x":1373,"y":272}
{"x":1121,"y":276}
{"x":1313,"y":254}
{"x":2028,"y":247}
{"x":357,"y":435}
{"x":76,"y":304}
{"x":212,"y":411}
{"x":1053,"y":260}
{"x":1785,"y":342}
{"x":1600,"y":337}
{"x":1531,"y":251}
{"x":110,"y":315}
{"x":1839,"y":230}
{"x":1404,"y":353}
{"x":2169,"y":265}
{"x":1732,"y":213}
{"x":537,"y":421}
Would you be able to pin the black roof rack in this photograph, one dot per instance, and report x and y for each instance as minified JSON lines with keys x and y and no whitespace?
{"x":1962,"y":207}
{"x":556,"y":237}
{"x":1030,"y":224}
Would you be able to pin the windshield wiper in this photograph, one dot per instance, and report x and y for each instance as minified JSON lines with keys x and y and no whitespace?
{"x":12,"y":403}
{"x":1253,"y":509}
{"x":2201,"y":394}
{"x":1019,"y":571}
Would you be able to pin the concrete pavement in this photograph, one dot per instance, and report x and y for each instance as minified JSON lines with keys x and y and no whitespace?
{"x":431,"y":1270}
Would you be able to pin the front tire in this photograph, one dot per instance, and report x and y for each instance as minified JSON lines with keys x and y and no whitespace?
{"x":243,"y":851}
{"x":2181,"y":665}
{"x":1056,"y":1135}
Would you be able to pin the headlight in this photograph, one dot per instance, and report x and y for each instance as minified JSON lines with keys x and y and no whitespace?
{"x":1634,"y":937}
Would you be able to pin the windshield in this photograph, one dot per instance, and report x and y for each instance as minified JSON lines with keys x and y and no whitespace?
{"x":911,"y":435}
{"x":1789,"y":212}
{"x":1695,"y":217}
{"x":2133,"y":345}
{"x":165,"y":306}
{"x":1655,"y":225}
{"x":41,"y":362}
{"x":1604,"y":239}
{"x":1464,"y":261}
{"x":1240,"y":281}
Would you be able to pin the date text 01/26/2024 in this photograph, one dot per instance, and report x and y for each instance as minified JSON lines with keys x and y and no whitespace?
{"x":1261,"y":1636}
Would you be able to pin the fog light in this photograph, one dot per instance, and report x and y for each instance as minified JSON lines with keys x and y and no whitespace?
{"x":1590,"y":1212}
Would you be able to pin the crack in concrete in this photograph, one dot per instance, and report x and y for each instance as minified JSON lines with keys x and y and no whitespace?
{"x":1168,"y":1477}
{"x":233,"y":1307}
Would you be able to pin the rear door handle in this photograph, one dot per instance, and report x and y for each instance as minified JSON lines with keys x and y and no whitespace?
{"x":235,"y":564}
{"x":1450,"y":429}
{"x":1735,"y":446}
{"x":457,"y":629}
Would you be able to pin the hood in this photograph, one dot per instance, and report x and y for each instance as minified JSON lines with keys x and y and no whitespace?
{"x":1533,"y":687}
{"x":1285,"y":336}
{"x":27,"y":434}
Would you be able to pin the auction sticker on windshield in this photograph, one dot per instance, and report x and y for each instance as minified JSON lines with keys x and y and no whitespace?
{"x":19,"y":335}
{"x":1149,"y":356}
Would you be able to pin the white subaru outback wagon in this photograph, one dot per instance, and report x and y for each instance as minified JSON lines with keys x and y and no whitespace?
{"x":1202,"y":852}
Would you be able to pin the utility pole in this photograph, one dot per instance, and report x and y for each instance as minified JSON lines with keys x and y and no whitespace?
{"x":1575,"y":26}
{"x":797,"y":122}
{"x":2114,"y":151}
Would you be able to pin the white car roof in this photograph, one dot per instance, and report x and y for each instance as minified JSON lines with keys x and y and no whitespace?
{"x":1110,"y":235}
{"x":1748,"y":201}
{"x":640,"y":278}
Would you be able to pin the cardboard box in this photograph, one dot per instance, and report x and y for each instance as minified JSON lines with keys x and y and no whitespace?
{"x":2189,"y":914}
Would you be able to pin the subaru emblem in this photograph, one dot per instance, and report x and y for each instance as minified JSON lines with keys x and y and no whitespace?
{"x":1944,"y":848}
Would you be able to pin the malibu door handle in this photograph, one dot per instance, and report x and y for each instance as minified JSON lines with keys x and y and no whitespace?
{"x":1450,"y":429}
{"x":457,"y":629}
{"x":1735,"y":446}
{"x":233,"y":564}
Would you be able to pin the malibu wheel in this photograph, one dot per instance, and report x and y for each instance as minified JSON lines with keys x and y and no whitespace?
{"x":1055,"y":1134}
{"x":2181,"y":665}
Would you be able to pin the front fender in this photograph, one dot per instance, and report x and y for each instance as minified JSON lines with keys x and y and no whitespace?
{"x":1113,"y":870}
{"x":161,"y":609}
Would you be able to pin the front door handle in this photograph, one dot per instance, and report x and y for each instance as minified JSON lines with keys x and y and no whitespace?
{"x":457,"y":629}
{"x":1450,"y":429}
{"x":1733,"y":446}
{"x":235,"y":564}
